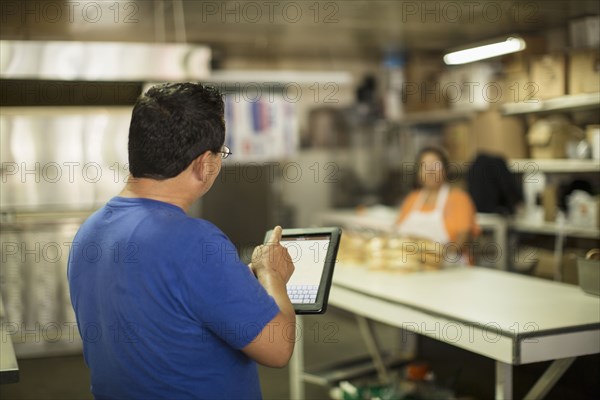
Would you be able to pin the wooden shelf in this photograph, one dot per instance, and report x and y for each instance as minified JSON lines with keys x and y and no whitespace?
{"x":435,"y":117}
{"x":552,"y":228}
{"x":532,"y":166}
{"x":572,"y":102}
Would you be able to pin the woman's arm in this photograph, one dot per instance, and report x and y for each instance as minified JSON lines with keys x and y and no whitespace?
{"x":460,"y":218}
{"x":406,"y":206}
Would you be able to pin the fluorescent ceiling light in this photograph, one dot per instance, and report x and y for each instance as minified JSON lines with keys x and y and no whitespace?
{"x":510,"y":45}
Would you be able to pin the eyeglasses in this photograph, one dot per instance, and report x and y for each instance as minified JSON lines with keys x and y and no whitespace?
{"x":225,"y":152}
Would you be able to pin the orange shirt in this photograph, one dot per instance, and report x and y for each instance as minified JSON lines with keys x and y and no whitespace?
{"x":459,"y":212}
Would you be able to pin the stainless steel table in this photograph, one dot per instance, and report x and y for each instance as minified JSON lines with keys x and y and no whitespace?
{"x":510,"y":318}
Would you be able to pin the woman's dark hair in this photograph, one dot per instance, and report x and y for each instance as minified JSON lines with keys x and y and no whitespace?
{"x":439,"y":153}
{"x":171,"y":125}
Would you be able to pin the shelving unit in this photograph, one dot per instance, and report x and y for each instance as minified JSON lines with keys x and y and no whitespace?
{"x":551,"y":228}
{"x":530,"y":165}
{"x":573,"y":102}
{"x":35,"y":288}
{"x":560,"y":231}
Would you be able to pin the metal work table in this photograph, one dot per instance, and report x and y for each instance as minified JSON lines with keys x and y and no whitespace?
{"x":510,"y":318}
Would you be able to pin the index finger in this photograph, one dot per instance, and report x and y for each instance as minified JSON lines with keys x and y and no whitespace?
{"x":275,"y":235}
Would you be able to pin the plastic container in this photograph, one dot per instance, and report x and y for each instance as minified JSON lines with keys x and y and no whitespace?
{"x":589,"y":272}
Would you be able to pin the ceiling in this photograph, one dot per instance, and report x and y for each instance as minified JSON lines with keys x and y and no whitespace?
{"x":290,"y":29}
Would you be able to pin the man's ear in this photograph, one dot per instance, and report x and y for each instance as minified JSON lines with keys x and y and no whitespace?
{"x":204,"y":166}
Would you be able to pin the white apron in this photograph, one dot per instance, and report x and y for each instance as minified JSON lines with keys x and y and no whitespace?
{"x":427,"y":224}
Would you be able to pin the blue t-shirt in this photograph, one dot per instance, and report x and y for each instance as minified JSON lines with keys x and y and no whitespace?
{"x":164,"y":305}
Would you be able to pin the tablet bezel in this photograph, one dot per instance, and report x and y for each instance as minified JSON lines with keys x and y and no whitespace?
{"x":335,"y":233}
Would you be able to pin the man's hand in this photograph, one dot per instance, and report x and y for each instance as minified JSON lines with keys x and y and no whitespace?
{"x":272,"y":257}
{"x":273,"y":267}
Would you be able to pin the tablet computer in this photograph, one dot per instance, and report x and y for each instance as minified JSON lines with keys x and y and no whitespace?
{"x":313,"y":252}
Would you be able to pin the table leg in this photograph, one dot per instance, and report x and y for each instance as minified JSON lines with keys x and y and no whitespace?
{"x":559,"y":243}
{"x":504,"y":381}
{"x":297,"y":364}
{"x":368,"y":335}
{"x":549,"y":378}
{"x":408,"y":344}
{"x":501,"y":242}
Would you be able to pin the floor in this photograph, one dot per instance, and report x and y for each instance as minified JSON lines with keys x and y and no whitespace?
{"x":328,"y":338}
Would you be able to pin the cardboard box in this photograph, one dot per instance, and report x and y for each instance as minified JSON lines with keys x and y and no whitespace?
{"x":550,"y":203}
{"x":548,"y":137}
{"x":517,"y":87}
{"x":519,"y":62}
{"x":459,"y":142}
{"x":585,"y":32}
{"x":515,"y":63}
{"x":584,"y":72}
{"x":548,"y":73}
{"x":592,"y":135}
{"x":547,"y":145}
{"x":545,"y":264}
{"x":421,"y":90}
{"x":471,"y":86}
{"x":500,"y":135}
{"x":516,"y":81}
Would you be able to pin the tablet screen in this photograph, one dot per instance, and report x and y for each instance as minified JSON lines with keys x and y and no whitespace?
{"x":313,"y":252}
{"x":308,"y":254}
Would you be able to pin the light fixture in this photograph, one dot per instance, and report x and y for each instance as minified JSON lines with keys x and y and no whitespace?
{"x":103,"y":61}
{"x":510,"y":45}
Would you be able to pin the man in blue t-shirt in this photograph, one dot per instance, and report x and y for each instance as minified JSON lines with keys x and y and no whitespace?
{"x":164,"y":305}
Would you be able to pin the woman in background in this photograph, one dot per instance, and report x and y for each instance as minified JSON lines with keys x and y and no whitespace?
{"x":436,"y":212}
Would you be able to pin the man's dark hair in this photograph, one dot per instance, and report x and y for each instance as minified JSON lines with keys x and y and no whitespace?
{"x":171,"y":125}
